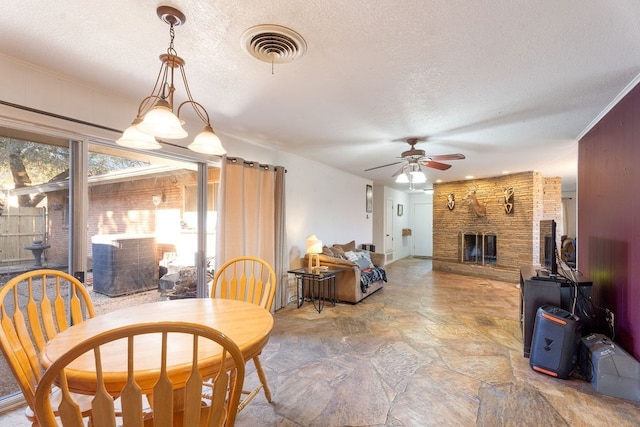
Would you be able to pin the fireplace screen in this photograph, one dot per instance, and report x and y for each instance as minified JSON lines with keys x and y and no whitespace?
{"x":479,"y":248}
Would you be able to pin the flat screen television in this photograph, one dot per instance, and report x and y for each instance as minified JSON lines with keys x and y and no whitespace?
{"x":548,"y":246}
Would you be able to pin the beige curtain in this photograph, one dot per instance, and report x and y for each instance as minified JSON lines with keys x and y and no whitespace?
{"x":251,"y":217}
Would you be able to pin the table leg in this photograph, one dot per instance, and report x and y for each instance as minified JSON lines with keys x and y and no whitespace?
{"x":317,"y":294}
{"x":299,"y":284}
{"x":332,"y":290}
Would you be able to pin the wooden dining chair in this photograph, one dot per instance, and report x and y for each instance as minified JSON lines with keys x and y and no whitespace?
{"x":173,"y":387}
{"x":252,"y":280}
{"x":34,"y":307}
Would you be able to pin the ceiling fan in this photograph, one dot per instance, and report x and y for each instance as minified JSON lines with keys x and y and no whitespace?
{"x":414,"y":158}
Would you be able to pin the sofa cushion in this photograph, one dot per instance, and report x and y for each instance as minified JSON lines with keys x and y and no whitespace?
{"x":351,"y":246}
{"x":327,"y":251}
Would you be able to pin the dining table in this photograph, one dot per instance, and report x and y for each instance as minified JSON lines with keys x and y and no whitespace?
{"x":248,"y":325}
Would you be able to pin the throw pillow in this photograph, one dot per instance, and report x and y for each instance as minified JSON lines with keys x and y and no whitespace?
{"x":351,"y":256}
{"x":363,"y":264}
{"x":338,"y":252}
{"x":351,"y":246}
{"x":367,"y":257}
{"x":327,"y":251}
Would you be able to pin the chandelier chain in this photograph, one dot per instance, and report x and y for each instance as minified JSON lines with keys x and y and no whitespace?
{"x":172,"y":36}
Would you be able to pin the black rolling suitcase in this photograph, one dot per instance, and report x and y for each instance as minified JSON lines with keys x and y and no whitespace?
{"x":555,"y":342}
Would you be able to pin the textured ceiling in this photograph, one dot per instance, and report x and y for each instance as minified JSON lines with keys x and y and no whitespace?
{"x":510,"y":84}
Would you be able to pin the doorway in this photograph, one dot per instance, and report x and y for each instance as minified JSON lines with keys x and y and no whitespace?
{"x":423,"y":225}
{"x":388,"y":230}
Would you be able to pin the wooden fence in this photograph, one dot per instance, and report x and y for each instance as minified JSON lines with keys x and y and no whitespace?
{"x":19,"y":227}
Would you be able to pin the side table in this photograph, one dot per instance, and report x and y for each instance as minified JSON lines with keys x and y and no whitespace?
{"x":321,"y":285}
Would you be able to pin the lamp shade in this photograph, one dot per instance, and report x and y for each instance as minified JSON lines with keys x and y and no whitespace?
{"x":162,"y":123}
{"x":314,"y":245}
{"x":418,"y":177}
{"x":402,"y":178}
{"x":132,"y":137}
{"x":207,"y":142}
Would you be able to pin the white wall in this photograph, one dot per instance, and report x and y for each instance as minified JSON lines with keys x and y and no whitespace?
{"x":324,"y":201}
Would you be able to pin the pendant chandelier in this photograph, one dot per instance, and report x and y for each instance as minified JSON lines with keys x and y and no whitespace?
{"x":156,"y":117}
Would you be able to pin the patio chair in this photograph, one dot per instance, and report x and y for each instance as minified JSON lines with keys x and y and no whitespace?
{"x":34,"y":307}
{"x":176,"y":394}
{"x":253,"y":280}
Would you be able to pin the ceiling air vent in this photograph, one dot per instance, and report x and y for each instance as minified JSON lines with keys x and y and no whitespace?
{"x":273,"y":43}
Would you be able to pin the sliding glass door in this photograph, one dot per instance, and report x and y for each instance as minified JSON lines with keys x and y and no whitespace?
{"x":134,"y":227}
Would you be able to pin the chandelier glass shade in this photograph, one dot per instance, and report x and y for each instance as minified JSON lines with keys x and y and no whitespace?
{"x":157,"y":116}
{"x":132,"y":137}
{"x":162,"y":123}
{"x":207,"y":142}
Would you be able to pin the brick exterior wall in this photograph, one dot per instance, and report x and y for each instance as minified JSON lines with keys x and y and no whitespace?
{"x":124,"y":208}
{"x":58,"y":238}
{"x":518,"y":233}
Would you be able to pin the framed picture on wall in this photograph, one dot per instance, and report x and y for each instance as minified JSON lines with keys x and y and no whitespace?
{"x":400,"y":210}
{"x":369,"y":199}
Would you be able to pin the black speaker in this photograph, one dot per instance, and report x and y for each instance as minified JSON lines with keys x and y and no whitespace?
{"x":554,"y":346}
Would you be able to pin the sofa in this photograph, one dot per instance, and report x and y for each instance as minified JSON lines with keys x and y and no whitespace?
{"x":363,"y":274}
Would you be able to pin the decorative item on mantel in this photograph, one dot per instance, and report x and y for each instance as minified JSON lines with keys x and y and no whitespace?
{"x":314,"y":248}
{"x":508,"y":199}
{"x":451,"y":201}
{"x":479,"y":208}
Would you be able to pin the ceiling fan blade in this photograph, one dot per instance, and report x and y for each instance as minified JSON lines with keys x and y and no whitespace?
{"x":456,"y":156}
{"x":435,"y":165}
{"x":384,"y":166}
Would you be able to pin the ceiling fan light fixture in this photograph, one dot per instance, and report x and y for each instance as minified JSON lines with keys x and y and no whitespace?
{"x":418,"y":177}
{"x":402,"y":178}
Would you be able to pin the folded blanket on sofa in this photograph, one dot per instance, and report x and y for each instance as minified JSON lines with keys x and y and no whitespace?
{"x":371,"y":275}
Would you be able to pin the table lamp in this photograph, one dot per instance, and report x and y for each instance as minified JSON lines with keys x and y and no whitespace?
{"x":314,"y":248}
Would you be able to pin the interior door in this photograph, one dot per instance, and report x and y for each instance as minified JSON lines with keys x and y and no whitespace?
{"x":388,"y":229}
{"x":423,"y":226}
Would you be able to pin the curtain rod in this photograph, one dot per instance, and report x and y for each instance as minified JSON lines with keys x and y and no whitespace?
{"x":251,"y":163}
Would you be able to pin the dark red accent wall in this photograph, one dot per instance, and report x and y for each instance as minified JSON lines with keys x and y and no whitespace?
{"x":609,"y":216}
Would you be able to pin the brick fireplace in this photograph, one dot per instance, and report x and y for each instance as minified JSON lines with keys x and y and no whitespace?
{"x":505,"y":236}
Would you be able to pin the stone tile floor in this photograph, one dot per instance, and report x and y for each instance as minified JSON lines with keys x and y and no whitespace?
{"x":430,"y":348}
